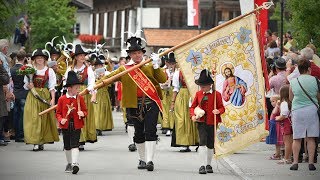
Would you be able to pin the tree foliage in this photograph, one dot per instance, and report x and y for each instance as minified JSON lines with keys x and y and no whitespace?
{"x":9,"y":10}
{"x":50,"y":18}
{"x":305,"y":21}
{"x":277,"y":16}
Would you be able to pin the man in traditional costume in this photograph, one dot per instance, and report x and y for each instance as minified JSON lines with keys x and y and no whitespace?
{"x":141,"y":96}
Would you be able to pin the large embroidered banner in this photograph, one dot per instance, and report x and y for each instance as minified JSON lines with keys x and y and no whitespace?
{"x":233,"y":51}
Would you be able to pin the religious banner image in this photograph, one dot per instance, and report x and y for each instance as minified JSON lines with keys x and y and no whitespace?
{"x":232,"y":54}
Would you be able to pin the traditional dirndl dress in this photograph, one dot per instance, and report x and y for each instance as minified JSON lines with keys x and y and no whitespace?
{"x":167,"y":122}
{"x":185,"y":130}
{"x":103,"y":110}
{"x":39,"y":129}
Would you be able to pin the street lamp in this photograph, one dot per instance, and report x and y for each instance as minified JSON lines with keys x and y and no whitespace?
{"x":281,"y":26}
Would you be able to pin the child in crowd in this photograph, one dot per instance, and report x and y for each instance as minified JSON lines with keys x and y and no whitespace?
{"x":272,"y":138}
{"x":285,"y":124}
{"x":208,"y":103}
{"x":70,"y":113}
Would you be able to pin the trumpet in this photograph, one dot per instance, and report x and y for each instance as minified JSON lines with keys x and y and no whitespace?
{"x":63,"y":63}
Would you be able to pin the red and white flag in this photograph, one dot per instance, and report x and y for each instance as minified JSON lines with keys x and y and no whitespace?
{"x":193,"y":12}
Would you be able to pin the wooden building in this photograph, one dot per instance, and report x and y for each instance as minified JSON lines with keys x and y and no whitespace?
{"x":159,"y":19}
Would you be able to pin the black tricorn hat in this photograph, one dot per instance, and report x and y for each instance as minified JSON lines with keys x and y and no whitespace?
{"x":134,"y":44}
{"x":171,"y":58}
{"x":280,"y":63}
{"x":98,"y":61}
{"x":54,"y":50}
{"x":72,"y":79}
{"x":205,"y":78}
{"x":79,"y":50}
{"x":39,"y":52}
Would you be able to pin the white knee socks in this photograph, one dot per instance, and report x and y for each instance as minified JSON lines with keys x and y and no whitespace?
{"x":130,"y":130}
{"x":141,"y":151}
{"x":75,"y":155}
{"x":203,"y":155}
{"x":68,"y":156}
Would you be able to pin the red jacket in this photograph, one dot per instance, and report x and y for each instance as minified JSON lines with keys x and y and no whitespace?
{"x":62,"y":110}
{"x":208,"y":106}
{"x":315,"y":70}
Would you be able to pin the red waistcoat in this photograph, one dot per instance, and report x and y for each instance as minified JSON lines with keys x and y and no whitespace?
{"x":62,"y":110}
{"x":208,"y":106}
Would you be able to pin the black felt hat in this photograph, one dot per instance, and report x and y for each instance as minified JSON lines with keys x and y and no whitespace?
{"x":171,"y":58}
{"x":54,"y":50}
{"x":72,"y":79}
{"x":39,"y":52}
{"x":79,"y":50}
{"x":134,"y":44}
{"x":205,"y":78}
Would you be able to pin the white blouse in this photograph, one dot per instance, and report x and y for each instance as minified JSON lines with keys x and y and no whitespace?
{"x":51,"y":82}
{"x":91,"y":77}
{"x":175,"y":81}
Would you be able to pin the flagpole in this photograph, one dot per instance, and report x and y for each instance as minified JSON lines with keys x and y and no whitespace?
{"x":199,"y":17}
{"x":265,"y":5}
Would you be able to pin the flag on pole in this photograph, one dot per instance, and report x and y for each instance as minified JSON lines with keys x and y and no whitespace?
{"x":193,"y":12}
{"x":233,"y":51}
{"x":246,"y":6}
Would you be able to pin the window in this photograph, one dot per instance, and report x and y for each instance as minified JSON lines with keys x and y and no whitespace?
{"x":77,"y":29}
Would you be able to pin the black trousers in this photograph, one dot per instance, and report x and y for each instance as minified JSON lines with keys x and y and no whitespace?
{"x":71,"y":137}
{"x":206,"y":135}
{"x":145,"y":125}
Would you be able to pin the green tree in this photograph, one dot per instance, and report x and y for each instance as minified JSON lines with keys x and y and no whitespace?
{"x":305,"y":21}
{"x":50,"y":18}
{"x":9,"y":10}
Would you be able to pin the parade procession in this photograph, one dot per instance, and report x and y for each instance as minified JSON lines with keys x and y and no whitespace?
{"x":151,"y":89}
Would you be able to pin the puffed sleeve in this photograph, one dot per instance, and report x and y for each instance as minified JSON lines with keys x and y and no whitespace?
{"x":91,"y":79}
{"x":194,"y":104}
{"x":52,"y":80}
{"x":66,"y":76}
{"x":175,"y":81}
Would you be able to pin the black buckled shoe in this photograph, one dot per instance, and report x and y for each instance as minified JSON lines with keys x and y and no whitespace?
{"x":75,"y":168}
{"x":132,"y":147}
{"x":209,"y":169}
{"x":202,"y":170}
{"x":41,"y":147}
{"x":142,"y":165}
{"x":150,"y":166}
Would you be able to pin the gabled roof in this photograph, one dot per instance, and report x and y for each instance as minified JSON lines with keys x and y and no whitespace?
{"x":168,"y":37}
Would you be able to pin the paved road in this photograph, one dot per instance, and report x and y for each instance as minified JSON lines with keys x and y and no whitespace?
{"x":109,"y":158}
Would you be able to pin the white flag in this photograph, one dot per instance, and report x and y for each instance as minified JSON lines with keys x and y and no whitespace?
{"x":193,"y":12}
{"x":246,"y":6}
